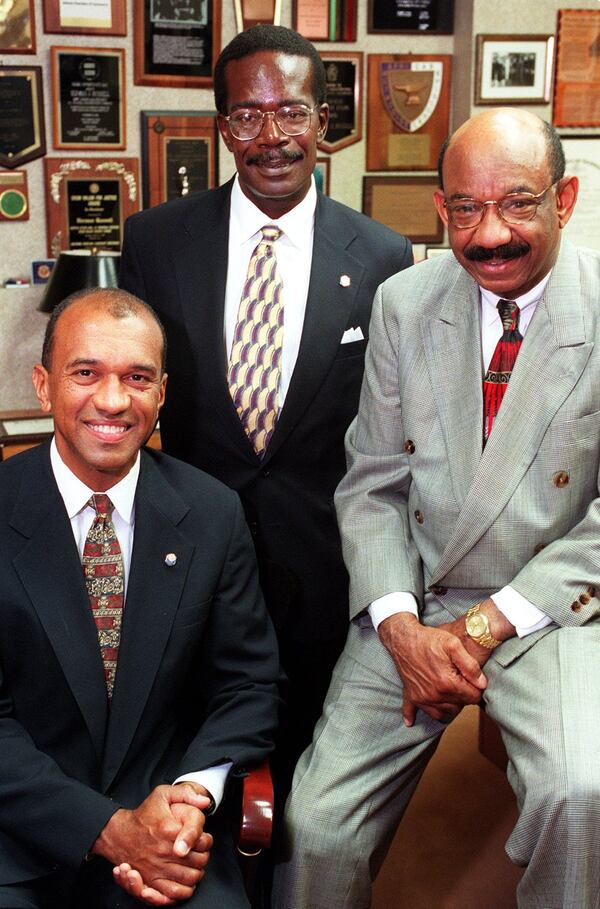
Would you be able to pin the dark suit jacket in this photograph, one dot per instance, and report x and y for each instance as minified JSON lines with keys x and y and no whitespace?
{"x":175,"y":258}
{"x":196,"y":678}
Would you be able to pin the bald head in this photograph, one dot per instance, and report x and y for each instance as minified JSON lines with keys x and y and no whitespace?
{"x":506,"y":129}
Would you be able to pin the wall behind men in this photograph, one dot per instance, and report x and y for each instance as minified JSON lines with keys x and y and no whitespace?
{"x":21,"y":326}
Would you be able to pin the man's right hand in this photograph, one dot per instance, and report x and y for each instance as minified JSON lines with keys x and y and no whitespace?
{"x":145,"y":838}
{"x":438,"y":673}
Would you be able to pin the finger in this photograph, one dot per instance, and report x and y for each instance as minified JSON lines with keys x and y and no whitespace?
{"x":409,"y":712}
{"x":189,"y":835}
{"x":468,"y":666}
{"x":185,"y":792}
{"x":173,"y":890}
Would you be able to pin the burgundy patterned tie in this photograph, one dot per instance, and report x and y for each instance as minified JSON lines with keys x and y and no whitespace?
{"x":255,"y":361}
{"x":104,"y":578}
{"x":501,"y":365}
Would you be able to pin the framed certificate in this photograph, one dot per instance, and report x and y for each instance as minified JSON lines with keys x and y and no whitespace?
{"x":22,"y":134}
{"x":411,"y":17}
{"x":406,"y":205}
{"x":343,"y":72}
{"x":17,"y":28}
{"x":409,"y":110}
{"x":88,"y":200}
{"x":577,"y":80}
{"x":176,"y":42}
{"x":85,"y":17}
{"x":179,"y":154}
{"x":88,"y":88}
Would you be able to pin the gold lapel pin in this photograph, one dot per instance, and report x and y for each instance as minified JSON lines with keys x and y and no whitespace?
{"x":170,"y":559}
{"x":345,"y":280}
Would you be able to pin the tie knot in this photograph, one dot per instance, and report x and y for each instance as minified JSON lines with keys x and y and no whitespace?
{"x":101,"y":504}
{"x":509,"y":314}
{"x":270,"y":233}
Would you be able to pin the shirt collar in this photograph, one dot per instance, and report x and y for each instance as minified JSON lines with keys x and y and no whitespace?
{"x":75,"y":494}
{"x":489,"y":300}
{"x":246,"y":219}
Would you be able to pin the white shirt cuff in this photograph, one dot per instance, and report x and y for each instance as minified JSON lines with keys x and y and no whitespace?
{"x":520,"y":612}
{"x":390,"y":604}
{"x":212,"y":778}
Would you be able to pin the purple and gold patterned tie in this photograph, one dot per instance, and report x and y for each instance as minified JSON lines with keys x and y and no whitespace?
{"x":104,"y":578}
{"x":255,"y":361}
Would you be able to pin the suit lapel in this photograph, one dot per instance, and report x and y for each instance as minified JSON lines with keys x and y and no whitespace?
{"x":153,"y":595}
{"x":50,"y":571}
{"x":328,"y":308}
{"x":452,"y":344}
{"x":551,"y":360}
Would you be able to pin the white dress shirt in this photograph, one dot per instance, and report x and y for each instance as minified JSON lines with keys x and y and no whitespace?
{"x":525,"y":617}
{"x":75,"y":495}
{"x":293,"y":250}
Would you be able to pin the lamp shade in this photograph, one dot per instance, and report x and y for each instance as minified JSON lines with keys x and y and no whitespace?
{"x":79,"y":270}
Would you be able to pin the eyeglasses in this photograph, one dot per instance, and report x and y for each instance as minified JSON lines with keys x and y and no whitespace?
{"x":292,"y":119}
{"x":514,"y":208}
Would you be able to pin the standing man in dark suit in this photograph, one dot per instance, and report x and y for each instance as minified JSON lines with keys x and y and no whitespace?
{"x":189,"y":259}
{"x":103,"y":769}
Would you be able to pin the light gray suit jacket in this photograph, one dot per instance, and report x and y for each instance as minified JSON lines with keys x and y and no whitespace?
{"x":422,"y":505}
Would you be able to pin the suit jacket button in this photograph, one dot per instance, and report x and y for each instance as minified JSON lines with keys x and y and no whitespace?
{"x":409,"y":446}
{"x":560,"y":478}
{"x":576,"y":606}
{"x":538,"y":548}
{"x":592,"y":591}
{"x":419,"y":517}
{"x":584,"y":599}
{"x":438,"y":590}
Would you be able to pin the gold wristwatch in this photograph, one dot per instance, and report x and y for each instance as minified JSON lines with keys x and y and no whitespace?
{"x":477,"y":627}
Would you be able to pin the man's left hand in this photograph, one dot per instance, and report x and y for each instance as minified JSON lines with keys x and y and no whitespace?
{"x":500,"y":628}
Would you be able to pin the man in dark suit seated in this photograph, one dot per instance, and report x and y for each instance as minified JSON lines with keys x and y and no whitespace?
{"x":190,"y":259}
{"x":138,"y":666}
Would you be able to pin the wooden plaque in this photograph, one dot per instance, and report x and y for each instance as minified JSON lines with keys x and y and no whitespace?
{"x":171,"y":49}
{"x":179,"y":154}
{"x":343,"y":73}
{"x":406,"y":205}
{"x":88,"y":92}
{"x":17,"y":29}
{"x":14,"y":199}
{"x":577,"y":80}
{"x":88,"y":200}
{"x":72,"y":17}
{"x":256,"y":12}
{"x":409,"y":110}
{"x":22,"y":134}
{"x":410,"y":17}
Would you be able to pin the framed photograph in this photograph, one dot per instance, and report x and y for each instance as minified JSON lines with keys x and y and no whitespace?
{"x":409,"y":110}
{"x":583,"y":161}
{"x":513,"y":69}
{"x":82,"y":17}
{"x":88,"y":200}
{"x":179,"y":154}
{"x":22,"y":134}
{"x":411,"y":17}
{"x":577,"y":79}
{"x":343,"y":72}
{"x":88,"y":92}
{"x":406,"y":205}
{"x":17,"y":28}
{"x":321,"y":175}
{"x":176,"y":42}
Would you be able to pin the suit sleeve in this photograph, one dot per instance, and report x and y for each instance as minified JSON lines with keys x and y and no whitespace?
{"x":130,"y":272}
{"x":240,"y":666}
{"x":371,"y":500}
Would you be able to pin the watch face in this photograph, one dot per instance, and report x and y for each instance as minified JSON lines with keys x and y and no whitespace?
{"x":476,"y":626}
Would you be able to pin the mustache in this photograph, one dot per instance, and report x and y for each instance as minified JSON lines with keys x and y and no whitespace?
{"x":274,"y":157}
{"x":506,"y":251}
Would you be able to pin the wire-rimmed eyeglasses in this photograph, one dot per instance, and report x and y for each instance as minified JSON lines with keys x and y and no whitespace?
{"x":514,"y":208}
{"x":245,"y":123}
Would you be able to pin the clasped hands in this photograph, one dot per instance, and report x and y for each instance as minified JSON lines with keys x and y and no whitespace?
{"x":441,"y":668}
{"x":160,"y":849}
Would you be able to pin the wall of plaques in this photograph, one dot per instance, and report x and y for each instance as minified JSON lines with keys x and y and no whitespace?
{"x":97,"y":118}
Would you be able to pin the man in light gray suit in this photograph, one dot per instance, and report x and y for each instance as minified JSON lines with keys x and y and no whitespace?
{"x":473,"y":543}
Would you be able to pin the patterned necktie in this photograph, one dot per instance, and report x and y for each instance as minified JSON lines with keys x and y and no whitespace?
{"x":501,"y":365}
{"x":104,"y":578}
{"x":255,"y":361}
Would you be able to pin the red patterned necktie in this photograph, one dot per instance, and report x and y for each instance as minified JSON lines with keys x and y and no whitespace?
{"x":501,"y":365}
{"x":104,"y":578}
{"x":255,"y":360}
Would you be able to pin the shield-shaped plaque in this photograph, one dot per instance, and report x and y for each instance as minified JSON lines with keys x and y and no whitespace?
{"x":411,"y":91}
